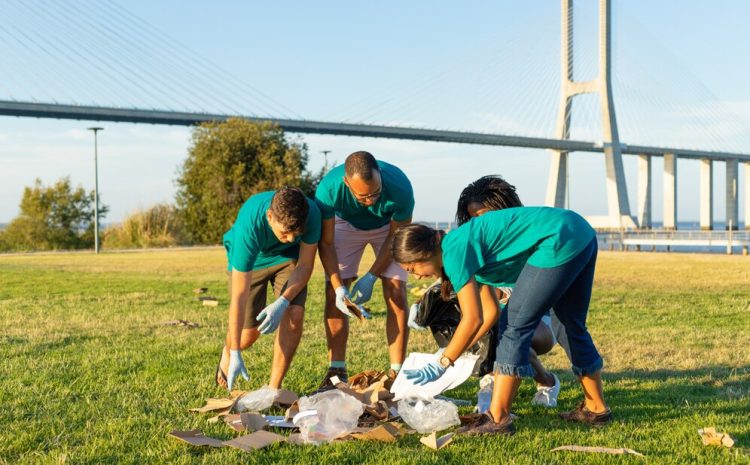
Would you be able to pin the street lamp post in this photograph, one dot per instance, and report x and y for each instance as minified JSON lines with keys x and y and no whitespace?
{"x":325,"y":160}
{"x":96,"y":188}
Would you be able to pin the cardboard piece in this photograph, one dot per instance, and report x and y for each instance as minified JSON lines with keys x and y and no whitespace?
{"x":291,"y":411}
{"x":253,"y":421}
{"x":255,"y":441}
{"x":603,"y":450}
{"x":206,"y":297}
{"x":211,"y":303}
{"x":234,"y":421}
{"x":200,"y":290}
{"x":295,"y":439}
{"x":184,"y":323}
{"x":285,"y":398}
{"x":224,"y":404}
{"x":711,"y":437}
{"x":386,"y":432}
{"x":196,"y":438}
{"x":453,"y":377}
{"x":359,"y":311}
{"x":436,"y":443}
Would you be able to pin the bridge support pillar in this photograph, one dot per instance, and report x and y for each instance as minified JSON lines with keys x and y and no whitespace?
{"x":707,"y":195}
{"x":747,"y":195}
{"x":557,"y":185}
{"x":733,"y":212}
{"x":670,"y":191}
{"x":644,"y":191}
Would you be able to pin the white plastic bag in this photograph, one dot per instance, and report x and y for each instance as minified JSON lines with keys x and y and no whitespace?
{"x":326,"y":416}
{"x":427,"y":416}
{"x":257,"y":401}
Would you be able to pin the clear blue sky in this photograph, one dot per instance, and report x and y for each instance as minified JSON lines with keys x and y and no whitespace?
{"x":488,"y":66}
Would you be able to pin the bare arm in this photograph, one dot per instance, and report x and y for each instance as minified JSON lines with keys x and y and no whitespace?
{"x":302,"y":272}
{"x":237,"y":305}
{"x":327,"y":253}
{"x":471,"y":320}
{"x":384,"y":258}
{"x":490,"y":311}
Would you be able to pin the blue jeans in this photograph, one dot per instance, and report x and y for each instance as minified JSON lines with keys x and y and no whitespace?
{"x":567,"y":290}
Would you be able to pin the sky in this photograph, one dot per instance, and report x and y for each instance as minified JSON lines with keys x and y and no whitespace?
{"x":491,"y":66}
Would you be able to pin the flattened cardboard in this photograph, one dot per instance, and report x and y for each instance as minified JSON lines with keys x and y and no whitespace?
{"x":291,"y":411}
{"x":436,"y":443}
{"x":185,"y":323}
{"x":295,"y":439}
{"x":602,"y":450}
{"x":711,"y":437}
{"x":211,"y":303}
{"x":207,"y":297}
{"x":355,"y":309}
{"x":253,"y":421}
{"x":220,"y":404}
{"x":383,"y":433}
{"x":255,"y":441}
{"x":196,"y":438}
{"x":234,"y":421}
{"x":200,"y":290}
{"x":285,"y":398}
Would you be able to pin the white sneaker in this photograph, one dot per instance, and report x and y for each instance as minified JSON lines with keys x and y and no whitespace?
{"x":546,"y":396}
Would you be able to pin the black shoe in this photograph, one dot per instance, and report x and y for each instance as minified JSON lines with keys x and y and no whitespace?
{"x":485,"y":424}
{"x":583,"y":415}
{"x":327,"y":384}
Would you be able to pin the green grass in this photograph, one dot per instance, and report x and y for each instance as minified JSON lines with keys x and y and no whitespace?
{"x":87,"y":375}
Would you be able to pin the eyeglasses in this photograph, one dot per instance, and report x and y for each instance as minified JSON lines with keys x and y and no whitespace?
{"x":374,"y":195}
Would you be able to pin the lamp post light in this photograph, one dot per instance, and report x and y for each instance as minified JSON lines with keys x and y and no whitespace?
{"x":325,"y":160}
{"x":96,"y":188}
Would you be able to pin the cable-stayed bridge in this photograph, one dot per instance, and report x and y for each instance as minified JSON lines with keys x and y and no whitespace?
{"x":129,"y":61}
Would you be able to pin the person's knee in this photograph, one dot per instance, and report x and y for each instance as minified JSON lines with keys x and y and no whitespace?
{"x":542,"y":341}
{"x":394,"y":289}
{"x":296,"y":317}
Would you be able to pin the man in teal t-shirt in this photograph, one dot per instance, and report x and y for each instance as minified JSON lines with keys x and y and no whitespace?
{"x":273,"y":240}
{"x":363,"y":202}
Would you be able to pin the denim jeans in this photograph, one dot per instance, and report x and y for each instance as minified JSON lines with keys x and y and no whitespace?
{"x":567,"y":290}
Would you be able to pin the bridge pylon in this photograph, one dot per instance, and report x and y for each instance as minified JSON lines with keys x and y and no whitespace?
{"x":617,"y":196}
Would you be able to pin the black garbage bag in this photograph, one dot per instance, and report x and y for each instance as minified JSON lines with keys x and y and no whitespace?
{"x":442,"y":317}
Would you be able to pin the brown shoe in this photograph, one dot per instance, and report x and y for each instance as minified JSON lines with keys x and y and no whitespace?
{"x":327,"y":384}
{"x":583,"y":415}
{"x":485,"y":424}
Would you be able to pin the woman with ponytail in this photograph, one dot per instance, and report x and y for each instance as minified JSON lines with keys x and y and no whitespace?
{"x":549,"y":256}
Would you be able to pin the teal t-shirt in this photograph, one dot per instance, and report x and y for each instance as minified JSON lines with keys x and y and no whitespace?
{"x":251,"y":243}
{"x":495,"y":247}
{"x":396,"y":202}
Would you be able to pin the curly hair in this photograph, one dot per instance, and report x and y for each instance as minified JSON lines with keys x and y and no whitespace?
{"x":492,"y":191}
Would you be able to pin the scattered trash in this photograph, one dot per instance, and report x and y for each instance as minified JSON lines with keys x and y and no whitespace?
{"x":196,"y":438}
{"x":220,"y":405}
{"x":200,"y":290}
{"x":285,"y":398}
{"x":245,"y":422}
{"x":184,"y":323}
{"x":387,"y":432}
{"x":211,"y":303}
{"x":418,"y":291}
{"x":258,"y":400}
{"x":278,"y":421}
{"x":456,"y":402}
{"x":206,"y":297}
{"x":428,"y":416}
{"x":484,"y":396}
{"x":603,"y":450}
{"x":254,"y":441}
{"x":711,"y":437}
{"x":436,"y":443}
{"x":326,"y":416}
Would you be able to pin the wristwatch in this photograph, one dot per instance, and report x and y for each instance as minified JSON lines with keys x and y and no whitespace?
{"x":445,"y":362}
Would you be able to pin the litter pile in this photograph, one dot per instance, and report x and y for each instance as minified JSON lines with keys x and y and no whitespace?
{"x":363,"y":409}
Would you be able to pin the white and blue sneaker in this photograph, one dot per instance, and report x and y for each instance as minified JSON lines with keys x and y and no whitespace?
{"x":546,"y":396}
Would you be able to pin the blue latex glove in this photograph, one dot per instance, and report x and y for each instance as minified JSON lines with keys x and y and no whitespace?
{"x":236,"y":367}
{"x":413,"y":316}
{"x":271,"y":315}
{"x":341,"y":293}
{"x":362,"y":290}
{"x":426,"y":374}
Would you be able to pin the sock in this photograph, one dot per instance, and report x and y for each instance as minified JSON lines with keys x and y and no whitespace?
{"x":396,"y":367}
{"x":337,"y":364}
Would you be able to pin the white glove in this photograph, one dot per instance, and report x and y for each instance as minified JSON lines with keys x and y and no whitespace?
{"x":236,"y":367}
{"x":341,"y":294}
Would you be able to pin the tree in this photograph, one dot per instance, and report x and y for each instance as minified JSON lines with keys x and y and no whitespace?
{"x":159,"y":226}
{"x":54,"y":217}
{"x":227,"y":163}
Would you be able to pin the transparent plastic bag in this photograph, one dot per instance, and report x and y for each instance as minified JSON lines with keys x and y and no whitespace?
{"x":326,"y":416}
{"x":484,"y":396}
{"x":428,"y":416}
{"x":257,"y":401}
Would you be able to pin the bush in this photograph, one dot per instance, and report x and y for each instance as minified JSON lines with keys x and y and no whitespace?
{"x":159,"y":226}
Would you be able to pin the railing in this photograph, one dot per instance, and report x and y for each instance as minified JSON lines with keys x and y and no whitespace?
{"x":622,"y":240}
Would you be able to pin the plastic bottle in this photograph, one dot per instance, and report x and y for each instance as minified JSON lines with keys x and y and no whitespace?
{"x":484,"y":396}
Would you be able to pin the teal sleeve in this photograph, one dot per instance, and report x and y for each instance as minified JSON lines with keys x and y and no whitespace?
{"x":405,"y":206}
{"x":244,"y":251}
{"x":313,"y":225}
{"x":324,"y":200}
{"x":461,"y":261}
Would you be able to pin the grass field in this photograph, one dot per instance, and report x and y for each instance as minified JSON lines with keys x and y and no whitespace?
{"x":89,"y":376}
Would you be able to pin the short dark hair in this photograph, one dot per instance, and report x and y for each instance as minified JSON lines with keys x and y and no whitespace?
{"x":492,"y":191}
{"x":362,"y":164}
{"x":289,"y":207}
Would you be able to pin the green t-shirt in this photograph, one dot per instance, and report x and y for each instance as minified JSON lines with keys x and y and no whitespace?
{"x":396,"y":202}
{"x":495,"y":247}
{"x":251,"y":243}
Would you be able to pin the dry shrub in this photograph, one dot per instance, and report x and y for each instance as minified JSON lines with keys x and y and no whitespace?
{"x":159,"y":226}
